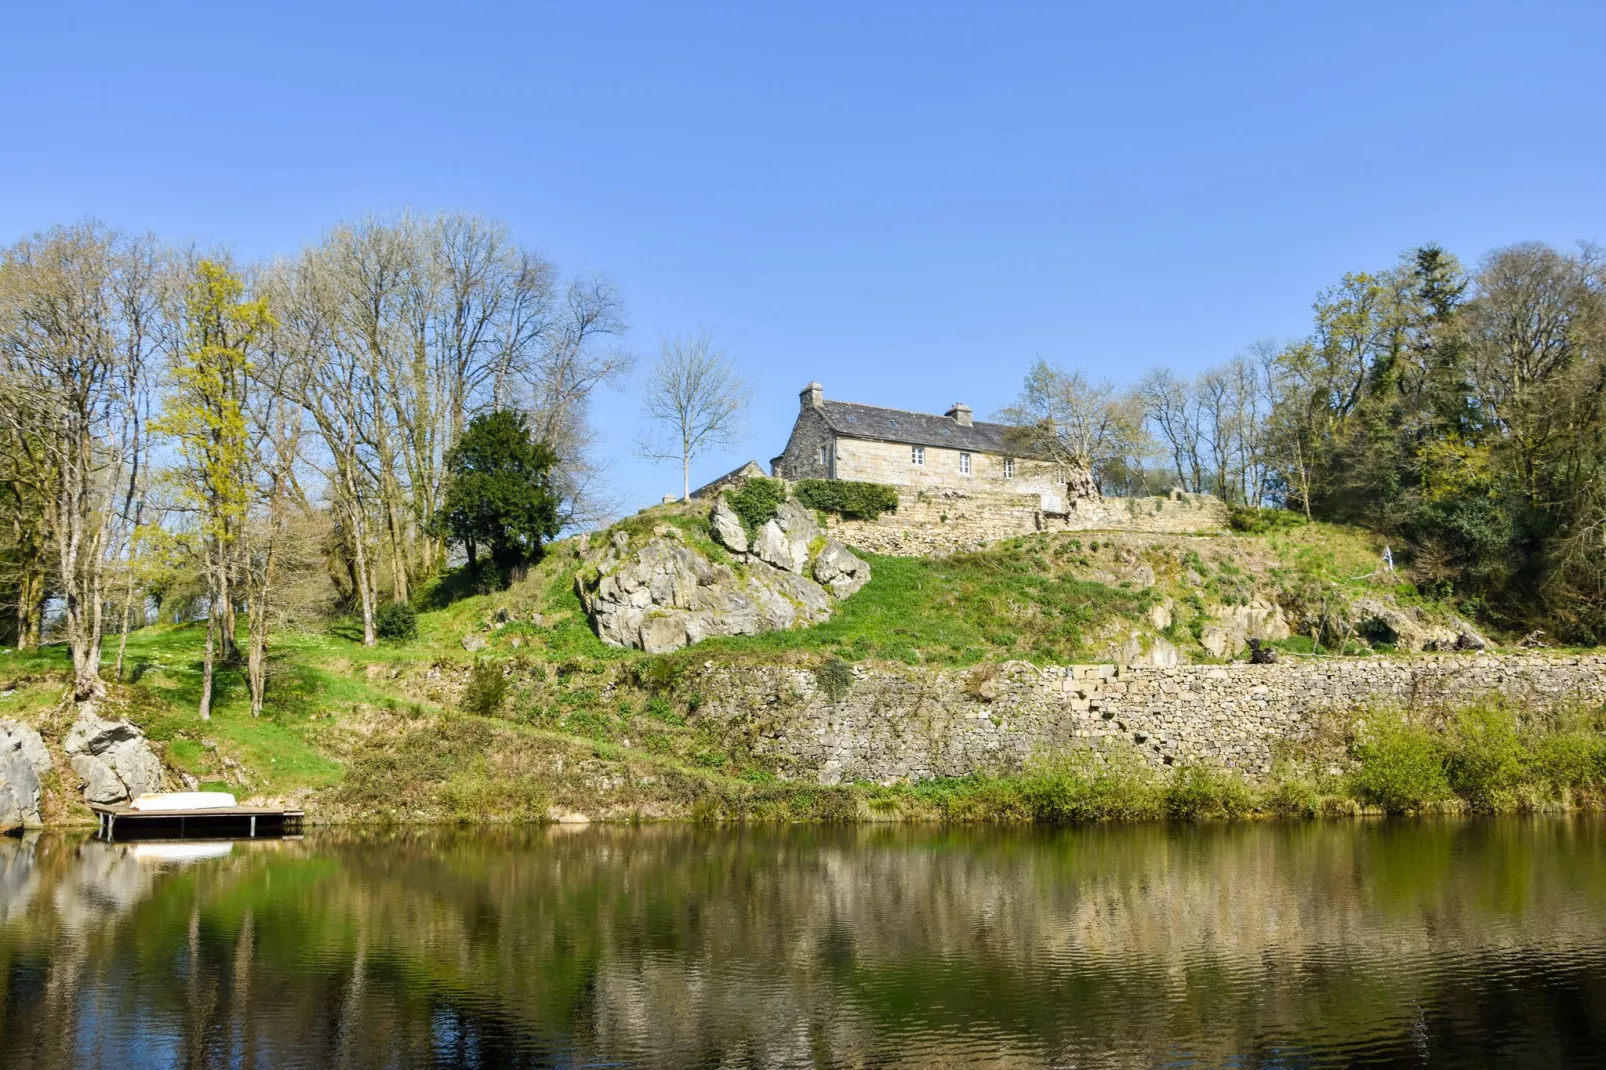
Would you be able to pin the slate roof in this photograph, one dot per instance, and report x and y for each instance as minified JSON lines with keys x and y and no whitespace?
{"x":871,"y":422}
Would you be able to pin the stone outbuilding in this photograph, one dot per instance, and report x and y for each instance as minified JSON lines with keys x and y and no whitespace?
{"x":846,"y":440}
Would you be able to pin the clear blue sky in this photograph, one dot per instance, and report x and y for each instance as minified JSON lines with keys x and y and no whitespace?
{"x":906,"y":202}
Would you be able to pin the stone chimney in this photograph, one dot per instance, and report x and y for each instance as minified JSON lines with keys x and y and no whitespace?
{"x":960,"y":414}
{"x":812,"y":396}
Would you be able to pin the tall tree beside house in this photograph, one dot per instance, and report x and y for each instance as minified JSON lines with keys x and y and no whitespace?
{"x":499,"y":494}
{"x":1093,"y":431}
{"x":697,"y":401}
{"x":205,"y":416}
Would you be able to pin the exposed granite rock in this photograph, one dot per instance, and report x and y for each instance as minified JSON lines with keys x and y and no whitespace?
{"x":1233,"y":626}
{"x":771,"y":546}
{"x":472,"y":642}
{"x":840,"y":569}
{"x":1408,"y":630}
{"x":1153,"y":652}
{"x":726,"y":527}
{"x":663,"y":594}
{"x":113,"y":758}
{"x":23,"y":760}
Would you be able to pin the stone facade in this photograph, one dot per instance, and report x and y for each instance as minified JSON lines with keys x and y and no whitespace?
{"x":944,"y":520}
{"x":913,"y":724}
{"x":840,"y":440}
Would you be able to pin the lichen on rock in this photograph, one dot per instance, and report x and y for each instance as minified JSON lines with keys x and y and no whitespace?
{"x":23,"y":761}
{"x":112,"y":758}
{"x":663,"y":591}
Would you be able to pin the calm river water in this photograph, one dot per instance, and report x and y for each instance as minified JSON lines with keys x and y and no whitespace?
{"x":1436,"y":943}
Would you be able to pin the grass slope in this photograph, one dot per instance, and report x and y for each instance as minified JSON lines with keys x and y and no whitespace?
{"x":391,"y":732}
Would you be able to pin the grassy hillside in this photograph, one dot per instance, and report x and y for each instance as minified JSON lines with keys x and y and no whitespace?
{"x":411,"y":730}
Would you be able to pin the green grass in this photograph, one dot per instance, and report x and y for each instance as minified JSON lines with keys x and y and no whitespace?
{"x":992,"y":604}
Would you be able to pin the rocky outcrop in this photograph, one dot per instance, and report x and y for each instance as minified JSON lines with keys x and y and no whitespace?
{"x":1232,"y":627}
{"x":664,"y":592}
{"x":113,"y":759}
{"x":726,"y":527}
{"x":839,"y":569}
{"x":1408,"y":630}
{"x":23,"y":761}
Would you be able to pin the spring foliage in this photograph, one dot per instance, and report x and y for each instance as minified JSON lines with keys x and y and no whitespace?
{"x":848,"y":499}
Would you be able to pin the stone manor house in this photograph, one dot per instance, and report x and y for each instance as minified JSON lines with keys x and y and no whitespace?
{"x":846,"y":440}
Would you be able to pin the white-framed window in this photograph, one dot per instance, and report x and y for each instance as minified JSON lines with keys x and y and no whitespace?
{"x":964,"y":464}
{"x":1009,"y":468}
{"x":917,"y":455}
{"x":825,"y":454}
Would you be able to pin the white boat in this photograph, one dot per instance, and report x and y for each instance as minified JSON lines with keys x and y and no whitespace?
{"x":185,"y":800}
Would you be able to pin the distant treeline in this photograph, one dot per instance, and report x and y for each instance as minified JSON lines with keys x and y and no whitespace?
{"x":1463,"y":414}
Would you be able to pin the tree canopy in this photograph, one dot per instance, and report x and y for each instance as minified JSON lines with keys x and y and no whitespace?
{"x":498,"y":491}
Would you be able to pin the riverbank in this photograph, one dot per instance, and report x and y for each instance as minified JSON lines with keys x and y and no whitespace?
{"x":944,"y":690}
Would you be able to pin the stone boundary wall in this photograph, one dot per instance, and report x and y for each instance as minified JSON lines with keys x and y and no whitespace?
{"x":906,"y":723}
{"x":943,"y":520}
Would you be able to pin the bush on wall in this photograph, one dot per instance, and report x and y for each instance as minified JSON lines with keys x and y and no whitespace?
{"x":757,"y":501}
{"x":847,"y":499}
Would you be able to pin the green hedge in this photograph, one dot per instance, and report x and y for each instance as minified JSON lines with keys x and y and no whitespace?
{"x":844,"y":498}
{"x":757,"y":501}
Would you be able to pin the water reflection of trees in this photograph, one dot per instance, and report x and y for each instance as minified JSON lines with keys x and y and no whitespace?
{"x":673,"y":946}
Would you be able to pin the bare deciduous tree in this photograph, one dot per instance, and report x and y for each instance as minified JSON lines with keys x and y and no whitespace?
{"x":79,"y":318}
{"x":698,"y":400}
{"x":1093,"y":431}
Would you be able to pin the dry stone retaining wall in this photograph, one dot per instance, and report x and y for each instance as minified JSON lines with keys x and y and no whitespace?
{"x":904,"y":723}
{"x":942,"y":520}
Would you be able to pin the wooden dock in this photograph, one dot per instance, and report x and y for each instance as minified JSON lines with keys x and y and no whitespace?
{"x":246,"y":822}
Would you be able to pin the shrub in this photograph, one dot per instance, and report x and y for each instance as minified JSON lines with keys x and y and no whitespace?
{"x":1400,"y":768}
{"x":1487,"y":762}
{"x":397,"y":621}
{"x":1076,"y":787}
{"x":757,"y":501}
{"x":1197,"y":791}
{"x":847,"y":499}
{"x":486,"y":690}
{"x":835,"y":678}
{"x":1253,"y":521}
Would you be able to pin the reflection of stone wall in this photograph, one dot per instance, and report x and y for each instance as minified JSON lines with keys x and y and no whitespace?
{"x":919,"y":723}
{"x":948,"y":519}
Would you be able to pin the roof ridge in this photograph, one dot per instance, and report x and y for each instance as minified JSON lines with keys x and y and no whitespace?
{"x":907,"y":412}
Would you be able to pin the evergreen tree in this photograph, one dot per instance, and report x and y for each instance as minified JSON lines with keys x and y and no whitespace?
{"x":499,"y":493}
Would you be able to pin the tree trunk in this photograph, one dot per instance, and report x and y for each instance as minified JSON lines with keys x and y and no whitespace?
{"x":207,"y":657}
{"x":398,"y":555}
{"x":30,"y":610}
{"x":128,"y":613}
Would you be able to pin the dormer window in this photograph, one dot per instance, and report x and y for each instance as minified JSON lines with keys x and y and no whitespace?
{"x":917,"y":455}
{"x":1009,"y":468}
{"x":964,"y":464}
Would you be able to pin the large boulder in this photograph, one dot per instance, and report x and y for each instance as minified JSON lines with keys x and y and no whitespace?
{"x":112,"y":758}
{"x":1231,"y":627}
{"x":663,"y":593}
{"x":726,"y":527}
{"x":23,"y":761}
{"x":771,"y":546}
{"x":839,"y":569}
{"x":1408,"y":630}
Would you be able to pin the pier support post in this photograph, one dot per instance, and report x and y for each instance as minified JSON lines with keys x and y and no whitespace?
{"x":253,"y":826}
